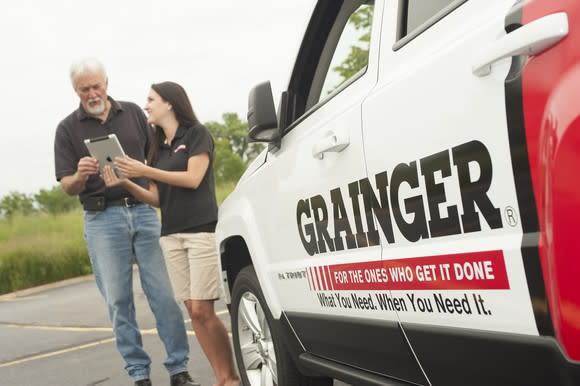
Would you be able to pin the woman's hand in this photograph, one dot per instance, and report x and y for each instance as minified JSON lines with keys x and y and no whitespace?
{"x":130,"y":167}
{"x":110,"y":177}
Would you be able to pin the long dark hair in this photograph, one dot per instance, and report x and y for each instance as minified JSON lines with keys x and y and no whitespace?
{"x":176,"y":96}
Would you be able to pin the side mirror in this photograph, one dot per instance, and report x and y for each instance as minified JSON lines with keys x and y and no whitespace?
{"x":262,"y":120}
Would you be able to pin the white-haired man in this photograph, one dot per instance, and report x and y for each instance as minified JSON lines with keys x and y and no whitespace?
{"x":118,"y":228}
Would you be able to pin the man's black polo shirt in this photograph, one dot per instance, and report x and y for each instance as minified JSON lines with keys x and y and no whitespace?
{"x":186,"y":209}
{"x":125,"y":119}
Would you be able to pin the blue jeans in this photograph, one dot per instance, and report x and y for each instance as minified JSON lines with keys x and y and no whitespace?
{"x":114,"y":237}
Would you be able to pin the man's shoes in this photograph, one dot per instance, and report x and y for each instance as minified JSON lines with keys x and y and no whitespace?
{"x":183,"y":379}
{"x":143,"y":382}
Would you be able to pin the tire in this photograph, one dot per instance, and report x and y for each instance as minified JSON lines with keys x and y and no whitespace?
{"x":260,"y":353}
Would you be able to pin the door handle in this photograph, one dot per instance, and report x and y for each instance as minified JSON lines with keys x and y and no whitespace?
{"x":332,"y":142}
{"x":530,"y":39}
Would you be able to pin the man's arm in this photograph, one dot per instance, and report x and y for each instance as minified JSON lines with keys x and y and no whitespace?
{"x":75,"y":183}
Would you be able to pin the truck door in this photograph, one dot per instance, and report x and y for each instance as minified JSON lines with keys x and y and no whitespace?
{"x":317,"y":234}
{"x":450,"y":173}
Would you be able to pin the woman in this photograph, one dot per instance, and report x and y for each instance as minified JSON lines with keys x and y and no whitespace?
{"x":180,"y":168}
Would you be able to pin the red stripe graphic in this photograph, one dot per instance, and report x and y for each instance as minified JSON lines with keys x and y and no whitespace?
{"x":464,"y":271}
{"x":314,"y":278}
{"x":329,"y":276}
{"x":322,"y":278}
{"x":326,"y":286}
{"x":316,"y":270}
{"x":309,"y":278}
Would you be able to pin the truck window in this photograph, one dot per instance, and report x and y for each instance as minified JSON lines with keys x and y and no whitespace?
{"x":415,"y":16}
{"x":334,"y":52}
{"x":419,"y":11}
{"x":351,"y":54}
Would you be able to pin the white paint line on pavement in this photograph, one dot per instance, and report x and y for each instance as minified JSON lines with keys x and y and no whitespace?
{"x":54,"y":353}
{"x":19,"y":299}
{"x":58,"y":328}
{"x":85,"y":329}
{"x":76,"y":348}
{"x":150,"y":331}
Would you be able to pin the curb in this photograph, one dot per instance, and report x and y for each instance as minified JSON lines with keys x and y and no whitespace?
{"x":45,"y":287}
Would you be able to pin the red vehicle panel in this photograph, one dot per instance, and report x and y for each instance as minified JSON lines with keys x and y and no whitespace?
{"x":551,"y":114}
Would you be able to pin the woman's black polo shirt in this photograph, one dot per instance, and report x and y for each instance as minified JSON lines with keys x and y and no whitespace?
{"x":186,"y":209}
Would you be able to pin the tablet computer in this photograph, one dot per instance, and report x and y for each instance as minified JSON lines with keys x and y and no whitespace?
{"x":105,"y":149}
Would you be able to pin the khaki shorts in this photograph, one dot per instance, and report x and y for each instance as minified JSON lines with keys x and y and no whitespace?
{"x":193,"y":265}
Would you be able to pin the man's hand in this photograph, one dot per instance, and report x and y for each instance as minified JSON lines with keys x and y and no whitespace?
{"x":75,"y":183}
{"x":86,"y":167}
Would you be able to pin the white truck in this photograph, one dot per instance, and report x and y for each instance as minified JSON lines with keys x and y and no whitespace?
{"x":414,"y":218}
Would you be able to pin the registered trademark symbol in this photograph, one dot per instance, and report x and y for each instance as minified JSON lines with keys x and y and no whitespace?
{"x":511,"y":216}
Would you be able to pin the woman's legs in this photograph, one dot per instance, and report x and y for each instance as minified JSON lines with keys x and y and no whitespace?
{"x":213,"y":339}
{"x":193,"y":266}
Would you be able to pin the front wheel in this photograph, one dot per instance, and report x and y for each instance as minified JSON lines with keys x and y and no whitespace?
{"x":258,"y":346}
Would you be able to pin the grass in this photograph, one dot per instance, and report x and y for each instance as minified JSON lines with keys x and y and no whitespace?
{"x":41,"y":248}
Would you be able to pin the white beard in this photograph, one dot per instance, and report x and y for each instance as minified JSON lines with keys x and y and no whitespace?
{"x":97,"y":109}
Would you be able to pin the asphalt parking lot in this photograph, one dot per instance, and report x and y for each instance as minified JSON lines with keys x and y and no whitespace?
{"x":60,"y":335}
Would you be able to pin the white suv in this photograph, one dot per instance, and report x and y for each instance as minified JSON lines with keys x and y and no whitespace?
{"x":414,"y":218}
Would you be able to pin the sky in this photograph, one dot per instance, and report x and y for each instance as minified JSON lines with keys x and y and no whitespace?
{"x":217,"y":50}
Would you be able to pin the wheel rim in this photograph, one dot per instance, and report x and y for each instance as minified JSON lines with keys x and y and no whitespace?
{"x":255,"y":342}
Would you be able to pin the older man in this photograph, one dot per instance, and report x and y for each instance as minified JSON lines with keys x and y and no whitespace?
{"x":118,"y":228}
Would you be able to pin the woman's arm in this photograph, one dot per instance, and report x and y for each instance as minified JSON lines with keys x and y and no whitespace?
{"x":191,"y":178}
{"x":150,"y":196}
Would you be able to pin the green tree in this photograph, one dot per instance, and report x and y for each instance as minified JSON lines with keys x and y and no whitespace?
{"x":16,"y":202}
{"x":233,"y":151}
{"x":235,"y":131}
{"x":56,"y":201}
{"x":359,"y":55}
{"x":228,"y":166}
